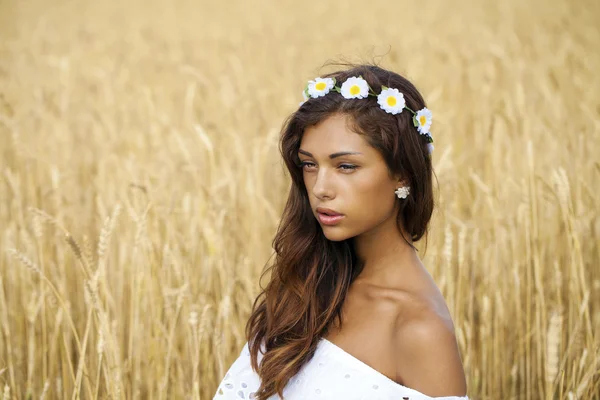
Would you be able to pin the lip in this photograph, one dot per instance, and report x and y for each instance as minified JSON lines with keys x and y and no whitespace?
{"x":332,"y":219}
{"x":329,"y":211}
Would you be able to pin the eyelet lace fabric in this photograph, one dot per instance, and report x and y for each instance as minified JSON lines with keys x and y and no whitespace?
{"x":331,"y":374}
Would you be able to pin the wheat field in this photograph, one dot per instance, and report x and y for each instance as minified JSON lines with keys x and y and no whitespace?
{"x":141,"y":184}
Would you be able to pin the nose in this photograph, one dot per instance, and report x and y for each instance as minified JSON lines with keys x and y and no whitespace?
{"x":323,"y":187}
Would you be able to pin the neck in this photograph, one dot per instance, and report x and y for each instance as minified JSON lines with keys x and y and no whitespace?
{"x":384,"y":253}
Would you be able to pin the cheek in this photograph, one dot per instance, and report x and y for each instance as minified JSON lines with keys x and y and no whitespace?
{"x":371,"y":200}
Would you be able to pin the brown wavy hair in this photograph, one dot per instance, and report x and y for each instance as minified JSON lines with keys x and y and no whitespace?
{"x":311,"y":274}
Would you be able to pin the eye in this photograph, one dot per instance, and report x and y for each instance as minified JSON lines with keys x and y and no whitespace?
{"x":343,"y":167}
{"x":305,"y":163}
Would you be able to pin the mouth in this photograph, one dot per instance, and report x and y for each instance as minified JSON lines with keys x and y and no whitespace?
{"x":329,"y":217}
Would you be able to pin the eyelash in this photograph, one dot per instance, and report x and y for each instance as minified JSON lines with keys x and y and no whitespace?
{"x":351,"y":167}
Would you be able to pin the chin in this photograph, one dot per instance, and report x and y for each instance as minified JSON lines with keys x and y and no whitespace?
{"x":335,"y":234}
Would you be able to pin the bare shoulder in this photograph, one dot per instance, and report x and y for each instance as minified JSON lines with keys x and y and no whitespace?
{"x":426,"y":351}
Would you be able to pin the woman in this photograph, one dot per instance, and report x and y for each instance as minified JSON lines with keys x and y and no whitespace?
{"x":350,"y":311}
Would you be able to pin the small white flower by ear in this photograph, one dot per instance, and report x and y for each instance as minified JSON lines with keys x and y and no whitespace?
{"x":320,"y":87}
{"x":423,"y":120}
{"x":403,"y":192}
{"x":391,"y":100}
{"x":355,"y":88}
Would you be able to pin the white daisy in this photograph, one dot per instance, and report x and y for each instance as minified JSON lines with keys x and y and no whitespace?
{"x":391,"y":100}
{"x":423,"y":120}
{"x":355,"y":88}
{"x":320,"y":87}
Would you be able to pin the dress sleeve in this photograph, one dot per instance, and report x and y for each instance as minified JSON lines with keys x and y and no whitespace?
{"x":240,"y":381}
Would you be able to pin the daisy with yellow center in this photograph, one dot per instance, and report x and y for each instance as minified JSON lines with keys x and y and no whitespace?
{"x":391,"y":100}
{"x":320,"y":87}
{"x":422,"y":120}
{"x":355,"y":88}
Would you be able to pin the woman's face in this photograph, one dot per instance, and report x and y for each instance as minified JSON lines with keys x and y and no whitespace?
{"x":355,"y":185}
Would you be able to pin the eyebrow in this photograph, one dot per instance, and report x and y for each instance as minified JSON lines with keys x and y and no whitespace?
{"x":331,"y":156}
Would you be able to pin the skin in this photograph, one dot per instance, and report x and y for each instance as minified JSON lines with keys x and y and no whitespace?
{"x":395,"y":318}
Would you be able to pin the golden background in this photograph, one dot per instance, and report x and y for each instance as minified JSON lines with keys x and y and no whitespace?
{"x":141,"y":184}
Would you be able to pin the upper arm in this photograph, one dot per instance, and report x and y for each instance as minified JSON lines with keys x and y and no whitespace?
{"x":428,"y":358}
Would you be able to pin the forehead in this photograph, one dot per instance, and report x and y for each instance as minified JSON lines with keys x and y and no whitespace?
{"x":331,"y":135}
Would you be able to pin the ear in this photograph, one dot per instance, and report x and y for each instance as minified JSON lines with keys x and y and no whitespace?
{"x":400,"y":181}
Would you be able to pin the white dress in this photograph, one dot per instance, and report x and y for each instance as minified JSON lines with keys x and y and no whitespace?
{"x":331,"y":374}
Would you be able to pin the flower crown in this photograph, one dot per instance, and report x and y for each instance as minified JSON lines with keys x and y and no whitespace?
{"x":390,"y":100}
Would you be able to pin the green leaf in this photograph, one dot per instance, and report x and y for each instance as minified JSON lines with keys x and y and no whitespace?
{"x":384,"y":87}
{"x":415,"y":122}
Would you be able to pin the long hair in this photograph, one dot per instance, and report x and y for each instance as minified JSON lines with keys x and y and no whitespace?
{"x":311,"y":275}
